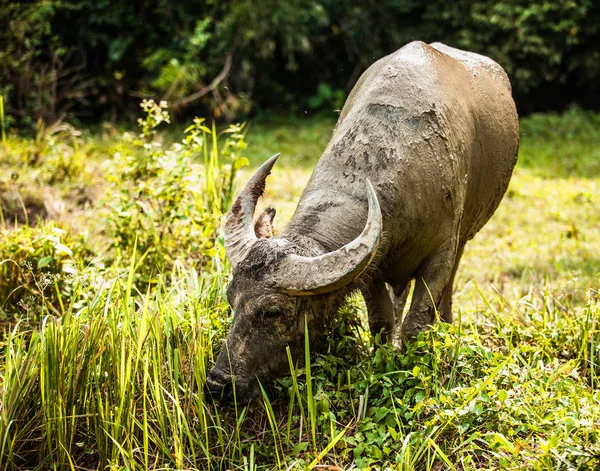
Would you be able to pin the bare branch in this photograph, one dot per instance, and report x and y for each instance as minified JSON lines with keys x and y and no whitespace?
{"x":209,"y":88}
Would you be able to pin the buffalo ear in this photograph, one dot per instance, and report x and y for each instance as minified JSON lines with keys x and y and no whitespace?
{"x":263,"y":227}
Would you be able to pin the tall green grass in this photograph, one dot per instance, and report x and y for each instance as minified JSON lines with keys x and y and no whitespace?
{"x":117,"y":384}
{"x":2,"y":119}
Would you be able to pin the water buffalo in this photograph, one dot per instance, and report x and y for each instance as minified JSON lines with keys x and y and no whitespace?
{"x":418,"y":162}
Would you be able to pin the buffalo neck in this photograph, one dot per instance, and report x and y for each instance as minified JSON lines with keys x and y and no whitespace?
{"x":326,"y":219}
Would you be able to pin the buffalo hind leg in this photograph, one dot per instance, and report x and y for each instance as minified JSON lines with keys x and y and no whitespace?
{"x":431,"y":280}
{"x":445,"y":308}
{"x":380,"y":310}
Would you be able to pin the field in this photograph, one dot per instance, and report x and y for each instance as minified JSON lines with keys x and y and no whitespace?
{"x":112,"y":307}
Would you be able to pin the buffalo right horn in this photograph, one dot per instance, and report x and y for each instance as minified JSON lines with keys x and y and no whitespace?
{"x":300,"y":276}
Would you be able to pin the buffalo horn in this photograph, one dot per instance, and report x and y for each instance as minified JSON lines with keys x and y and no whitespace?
{"x":239,"y":226}
{"x":298,"y":275}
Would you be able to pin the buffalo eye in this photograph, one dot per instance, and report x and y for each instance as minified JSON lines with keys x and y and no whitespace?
{"x":272,"y":312}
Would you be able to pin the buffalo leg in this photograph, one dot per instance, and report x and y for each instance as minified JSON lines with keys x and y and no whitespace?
{"x":380,"y":310}
{"x":445,"y":308}
{"x":399,"y":295}
{"x":431,"y":280}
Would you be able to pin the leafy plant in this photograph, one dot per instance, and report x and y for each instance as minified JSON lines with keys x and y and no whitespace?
{"x":91,"y":61}
{"x":39,"y":267}
{"x":167,"y":201}
{"x":113,"y":375}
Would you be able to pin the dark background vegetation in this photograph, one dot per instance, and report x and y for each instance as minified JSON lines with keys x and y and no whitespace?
{"x":93,"y":59}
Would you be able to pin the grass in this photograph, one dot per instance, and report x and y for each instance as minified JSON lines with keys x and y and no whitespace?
{"x":561,"y":146}
{"x":301,"y":141}
{"x":112,"y":376}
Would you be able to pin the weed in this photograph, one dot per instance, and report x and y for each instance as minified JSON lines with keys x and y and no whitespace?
{"x":39,"y":267}
{"x":167,"y":201}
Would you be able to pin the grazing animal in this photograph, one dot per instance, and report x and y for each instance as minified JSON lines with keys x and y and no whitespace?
{"x":418,"y":162}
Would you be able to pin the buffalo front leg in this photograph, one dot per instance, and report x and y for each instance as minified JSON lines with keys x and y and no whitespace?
{"x":380,"y":310}
{"x":431,"y":280}
{"x":399,"y":294}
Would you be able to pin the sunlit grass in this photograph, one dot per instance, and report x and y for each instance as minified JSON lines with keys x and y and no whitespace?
{"x":119,"y":383}
{"x":300,"y":140}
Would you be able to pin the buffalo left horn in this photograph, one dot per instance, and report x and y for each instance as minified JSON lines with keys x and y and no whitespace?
{"x":299,"y":276}
{"x":239,"y":227}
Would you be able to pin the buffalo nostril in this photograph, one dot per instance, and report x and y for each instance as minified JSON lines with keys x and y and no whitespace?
{"x":217,"y":386}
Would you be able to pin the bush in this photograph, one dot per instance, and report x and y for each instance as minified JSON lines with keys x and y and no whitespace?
{"x":164,"y":206}
{"x":47,"y":175}
{"x":274,"y":54}
{"x":39,"y":267}
{"x":166,"y":202}
{"x":576,"y":133}
{"x":547,"y":48}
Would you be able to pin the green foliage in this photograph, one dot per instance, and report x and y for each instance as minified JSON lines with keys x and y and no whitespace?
{"x":29,"y":57}
{"x":2,"y":119}
{"x":325,"y":96}
{"x":94,"y":58}
{"x":113,"y":376}
{"x":166,"y":201}
{"x":179,"y":74}
{"x":543,"y":46}
{"x":562,"y":145}
{"x":41,"y":173}
{"x":39,"y":267}
{"x":300,"y":141}
{"x":90,"y":371}
{"x":117,"y":383}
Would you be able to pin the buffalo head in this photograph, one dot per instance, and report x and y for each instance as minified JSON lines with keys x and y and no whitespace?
{"x":278,"y":285}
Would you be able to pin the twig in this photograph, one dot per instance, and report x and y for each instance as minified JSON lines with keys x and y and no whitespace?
{"x":214,"y":84}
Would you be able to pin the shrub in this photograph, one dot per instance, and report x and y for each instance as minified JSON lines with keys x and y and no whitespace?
{"x":576,"y":133}
{"x":166,"y":202}
{"x":39,"y":267}
{"x":46,"y":175}
{"x":63,"y":56}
